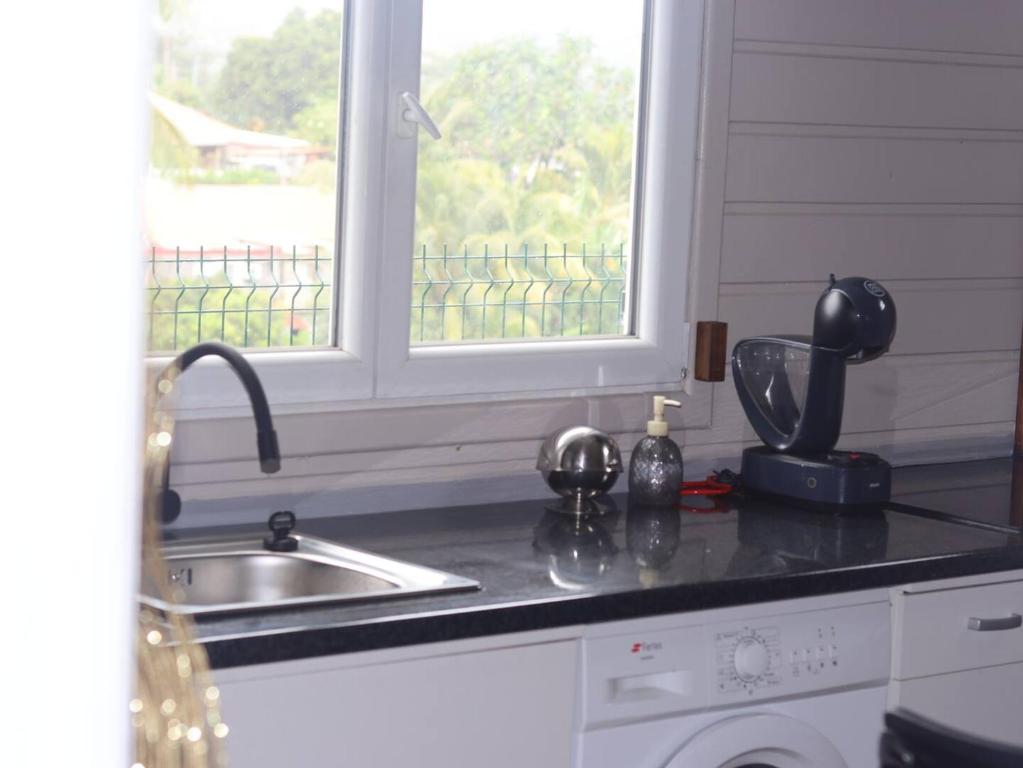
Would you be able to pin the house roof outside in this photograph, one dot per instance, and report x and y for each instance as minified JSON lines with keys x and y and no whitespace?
{"x":200,"y":130}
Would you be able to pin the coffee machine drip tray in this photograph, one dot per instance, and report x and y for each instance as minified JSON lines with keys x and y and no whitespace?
{"x":843,"y":478}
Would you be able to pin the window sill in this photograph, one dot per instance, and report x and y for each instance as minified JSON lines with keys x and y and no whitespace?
{"x":294,"y":381}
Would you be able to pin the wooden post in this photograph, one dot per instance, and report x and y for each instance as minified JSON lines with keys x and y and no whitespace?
{"x":711,"y":350}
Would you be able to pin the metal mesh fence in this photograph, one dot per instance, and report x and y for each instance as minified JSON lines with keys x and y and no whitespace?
{"x":525,"y":295}
{"x":250,"y":297}
{"x":269,"y":297}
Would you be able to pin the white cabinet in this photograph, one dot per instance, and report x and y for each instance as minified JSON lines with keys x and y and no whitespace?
{"x":510,"y":701}
{"x":957,"y":654}
{"x":458,"y":704}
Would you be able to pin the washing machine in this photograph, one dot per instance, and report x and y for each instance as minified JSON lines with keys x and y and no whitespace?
{"x":795,"y":684}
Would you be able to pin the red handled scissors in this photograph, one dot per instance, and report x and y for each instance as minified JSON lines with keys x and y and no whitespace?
{"x":717,"y":484}
{"x":712,"y":486}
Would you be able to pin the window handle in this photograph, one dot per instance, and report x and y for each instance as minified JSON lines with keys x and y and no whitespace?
{"x":411,"y":112}
{"x":1012,"y":621}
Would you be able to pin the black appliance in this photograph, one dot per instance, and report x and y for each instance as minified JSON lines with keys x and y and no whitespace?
{"x":793,"y":388}
{"x":912,"y":741}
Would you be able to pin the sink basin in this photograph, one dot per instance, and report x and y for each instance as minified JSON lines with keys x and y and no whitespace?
{"x":238,"y":574}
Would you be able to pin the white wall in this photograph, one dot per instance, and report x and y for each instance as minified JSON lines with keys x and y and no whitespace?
{"x":74,"y":125}
{"x":875,"y":137}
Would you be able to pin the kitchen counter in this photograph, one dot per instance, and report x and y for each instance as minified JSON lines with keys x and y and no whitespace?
{"x":987,"y":493}
{"x":539,"y":569}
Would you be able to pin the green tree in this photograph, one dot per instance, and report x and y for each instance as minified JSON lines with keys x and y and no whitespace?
{"x":317,"y":123}
{"x":537,"y":154}
{"x":537,"y":159}
{"x":537,"y":147}
{"x":266,"y":82}
{"x":517,"y":102}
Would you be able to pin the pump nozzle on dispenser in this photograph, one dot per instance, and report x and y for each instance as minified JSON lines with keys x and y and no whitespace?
{"x":657,"y":426}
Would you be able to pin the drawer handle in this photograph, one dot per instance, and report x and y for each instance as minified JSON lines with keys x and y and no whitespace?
{"x":1012,"y":621}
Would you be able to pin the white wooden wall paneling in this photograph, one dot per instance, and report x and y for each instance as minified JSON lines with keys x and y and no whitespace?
{"x":904,"y":392}
{"x":789,"y":86}
{"x":459,"y":458}
{"x":988,"y":26}
{"x":873,"y":166}
{"x":350,"y":450}
{"x":973,"y":478}
{"x":303,"y":484}
{"x":311,"y":491}
{"x":457,"y":425}
{"x":934,"y":316}
{"x":369,"y":431}
{"x":766,"y":242}
{"x":869,"y":54}
{"x":896,"y":392}
{"x":878,"y":137}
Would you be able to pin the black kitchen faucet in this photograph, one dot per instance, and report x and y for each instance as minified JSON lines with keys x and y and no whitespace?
{"x":266,"y":437}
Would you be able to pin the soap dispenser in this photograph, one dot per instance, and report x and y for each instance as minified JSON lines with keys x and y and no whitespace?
{"x":655,"y":469}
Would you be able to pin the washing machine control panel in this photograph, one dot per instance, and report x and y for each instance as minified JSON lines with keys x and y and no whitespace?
{"x":747,"y":658}
{"x":803,"y":652}
{"x":655,"y":667}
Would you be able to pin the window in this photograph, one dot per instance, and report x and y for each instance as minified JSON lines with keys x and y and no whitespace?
{"x":523,"y":226}
{"x":240,"y":213}
{"x":539,"y":245}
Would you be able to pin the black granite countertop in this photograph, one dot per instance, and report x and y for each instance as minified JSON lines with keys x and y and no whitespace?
{"x":539,"y":569}
{"x":976,"y":492}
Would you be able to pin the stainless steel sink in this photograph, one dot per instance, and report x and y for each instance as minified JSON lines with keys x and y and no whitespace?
{"x":239,"y":574}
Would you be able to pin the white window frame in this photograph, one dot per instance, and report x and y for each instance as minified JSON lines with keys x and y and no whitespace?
{"x":373,"y":363}
{"x":654,"y":356}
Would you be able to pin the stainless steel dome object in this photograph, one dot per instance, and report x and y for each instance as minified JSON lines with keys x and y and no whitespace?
{"x":579,"y":463}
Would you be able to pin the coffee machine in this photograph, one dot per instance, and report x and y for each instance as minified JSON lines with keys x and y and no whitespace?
{"x":793,"y":388}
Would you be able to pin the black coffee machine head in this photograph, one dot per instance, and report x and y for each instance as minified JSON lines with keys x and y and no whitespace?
{"x":854,"y":318}
{"x":792,"y":389}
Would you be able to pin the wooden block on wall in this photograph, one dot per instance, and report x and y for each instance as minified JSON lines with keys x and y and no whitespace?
{"x":711,"y":350}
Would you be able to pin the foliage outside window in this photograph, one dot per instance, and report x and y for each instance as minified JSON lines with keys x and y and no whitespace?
{"x":524,"y":209}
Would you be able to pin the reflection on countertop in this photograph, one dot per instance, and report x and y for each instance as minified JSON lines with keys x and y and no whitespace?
{"x":580,"y":550}
{"x":770,"y":540}
{"x":809,"y":541}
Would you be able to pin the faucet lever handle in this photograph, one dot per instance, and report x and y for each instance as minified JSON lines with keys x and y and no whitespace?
{"x":280,"y":524}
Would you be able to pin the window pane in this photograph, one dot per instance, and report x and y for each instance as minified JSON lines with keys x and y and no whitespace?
{"x":524,"y":206}
{"x":240,"y":200}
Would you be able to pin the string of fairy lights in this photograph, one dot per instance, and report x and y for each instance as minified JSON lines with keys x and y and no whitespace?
{"x":175,"y":713}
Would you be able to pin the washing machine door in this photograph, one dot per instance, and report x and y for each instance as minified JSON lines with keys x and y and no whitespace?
{"x":758,"y":741}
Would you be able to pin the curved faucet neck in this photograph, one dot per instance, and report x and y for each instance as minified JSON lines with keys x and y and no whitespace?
{"x":266,"y":436}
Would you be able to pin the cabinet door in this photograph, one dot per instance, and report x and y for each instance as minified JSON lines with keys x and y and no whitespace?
{"x":983,"y":702}
{"x":933,"y":633}
{"x":511,"y":707}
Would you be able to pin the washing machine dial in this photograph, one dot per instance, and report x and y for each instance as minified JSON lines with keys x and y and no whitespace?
{"x":751,"y":659}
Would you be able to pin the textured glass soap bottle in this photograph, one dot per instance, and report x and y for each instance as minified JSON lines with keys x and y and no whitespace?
{"x":655,"y":468}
